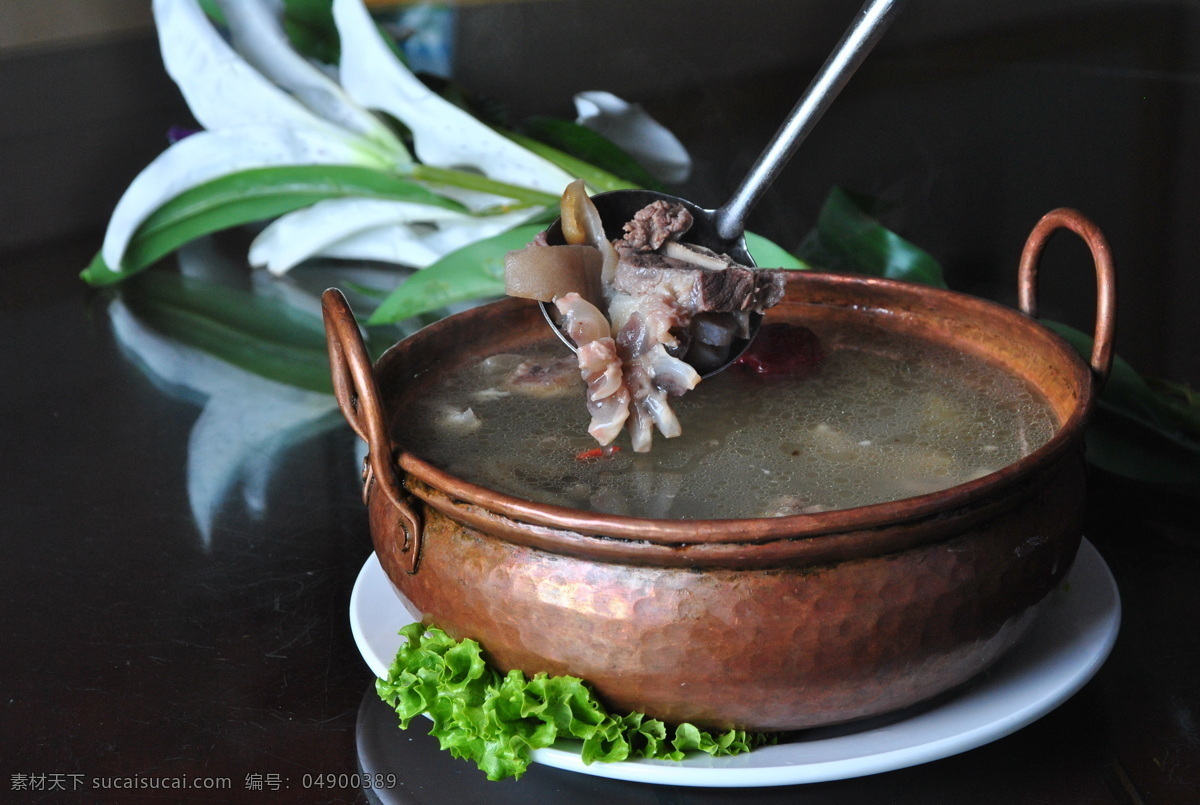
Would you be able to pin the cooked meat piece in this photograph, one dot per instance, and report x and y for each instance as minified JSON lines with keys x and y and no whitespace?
{"x":655,"y":224}
{"x":694,"y":288}
{"x":543,"y":378}
{"x":644,"y":311}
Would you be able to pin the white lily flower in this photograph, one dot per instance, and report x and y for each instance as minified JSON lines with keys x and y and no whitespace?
{"x":443,"y":134}
{"x":263,"y":105}
{"x":258,"y":35}
{"x":210,"y":155}
{"x":293,"y":237}
{"x":420,"y":246}
{"x":221,"y":88}
{"x":638,"y":134}
{"x":250,"y":122}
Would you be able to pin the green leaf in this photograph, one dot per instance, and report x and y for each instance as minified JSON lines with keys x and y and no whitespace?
{"x":260,"y":335}
{"x":497,"y":721}
{"x":213,"y":11}
{"x":595,"y":178}
{"x":1181,"y":400}
{"x":570,"y":138}
{"x":309,"y":26}
{"x":849,"y":238}
{"x":1141,"y":431}
{"x":476,"y":271}
{"x":1130,"y":448}
{"x":469,"y":180}
{"x":473,"y":272}
{"x":253,"y":195}
{"x":768,"y":254}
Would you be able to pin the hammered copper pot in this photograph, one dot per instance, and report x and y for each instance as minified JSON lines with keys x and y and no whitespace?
{"x":764,"y":624}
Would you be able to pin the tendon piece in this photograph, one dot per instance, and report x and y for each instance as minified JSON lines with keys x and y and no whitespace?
{"x":640,"y":425}
{"x":664,"y":418}
{"x":642,"y":321}
{"x":670,"y":374}
{"x":599,"y":364}
{"x":651,"y":377}
{"x":602,"y":368}
{"x":608,"y":395}
{"x":650,"y":372}
{"x":581,"y":320}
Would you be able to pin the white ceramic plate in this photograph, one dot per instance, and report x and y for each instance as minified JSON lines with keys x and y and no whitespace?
{"x":1062,"y":651}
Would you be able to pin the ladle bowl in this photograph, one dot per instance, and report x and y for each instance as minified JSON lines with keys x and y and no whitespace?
{"x":618,"y":206}
{"x":723,"y":229}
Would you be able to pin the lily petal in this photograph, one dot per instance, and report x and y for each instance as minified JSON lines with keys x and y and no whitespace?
{"x":444,"y":135}
{"x":258,"y":36}
{"x":220,"y":87}
{"x":293,"y":237}
{"x":633,"y":129}
{"x":246,"y":423}
{"x":210,"y":154}
{"x":420,"y":247}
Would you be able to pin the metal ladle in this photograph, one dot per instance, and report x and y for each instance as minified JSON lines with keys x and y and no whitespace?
{"x":723,"y":229}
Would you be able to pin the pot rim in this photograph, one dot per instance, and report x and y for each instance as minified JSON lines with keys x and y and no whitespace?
{"x":749,"y":531}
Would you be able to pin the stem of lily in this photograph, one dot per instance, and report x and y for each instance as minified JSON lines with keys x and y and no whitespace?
{"x":475,"y":181}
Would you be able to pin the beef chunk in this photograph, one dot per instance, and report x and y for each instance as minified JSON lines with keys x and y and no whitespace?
{"x":654,"y":225}
{"x":696,"y":288}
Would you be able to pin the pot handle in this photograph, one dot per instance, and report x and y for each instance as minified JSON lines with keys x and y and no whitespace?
{"x":1106,"y":280}
{"x":358,"y":396}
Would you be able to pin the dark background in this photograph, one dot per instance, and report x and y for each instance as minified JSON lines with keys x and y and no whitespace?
{"x":971,"y":119}
{"x":133,"y":646}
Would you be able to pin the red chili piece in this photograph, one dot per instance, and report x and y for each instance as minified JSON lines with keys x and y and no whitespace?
{"x":598,"y":452}
{"x":783,"y":349}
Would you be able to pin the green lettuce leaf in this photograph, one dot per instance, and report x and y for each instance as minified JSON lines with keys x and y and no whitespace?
{"x":498,"y":720}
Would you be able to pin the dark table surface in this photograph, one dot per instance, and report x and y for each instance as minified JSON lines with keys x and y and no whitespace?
{"x":180,"y":541}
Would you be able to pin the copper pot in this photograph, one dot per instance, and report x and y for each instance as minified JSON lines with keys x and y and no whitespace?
{"x":764,"y":624}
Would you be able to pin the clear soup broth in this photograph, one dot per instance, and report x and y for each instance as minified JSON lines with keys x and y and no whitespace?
{"x":885,"y":417}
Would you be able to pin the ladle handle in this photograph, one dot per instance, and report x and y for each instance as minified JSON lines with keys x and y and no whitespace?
{"x":866,"y":30}
{"x":1106,"y":280}
{"x":358,"y":396}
